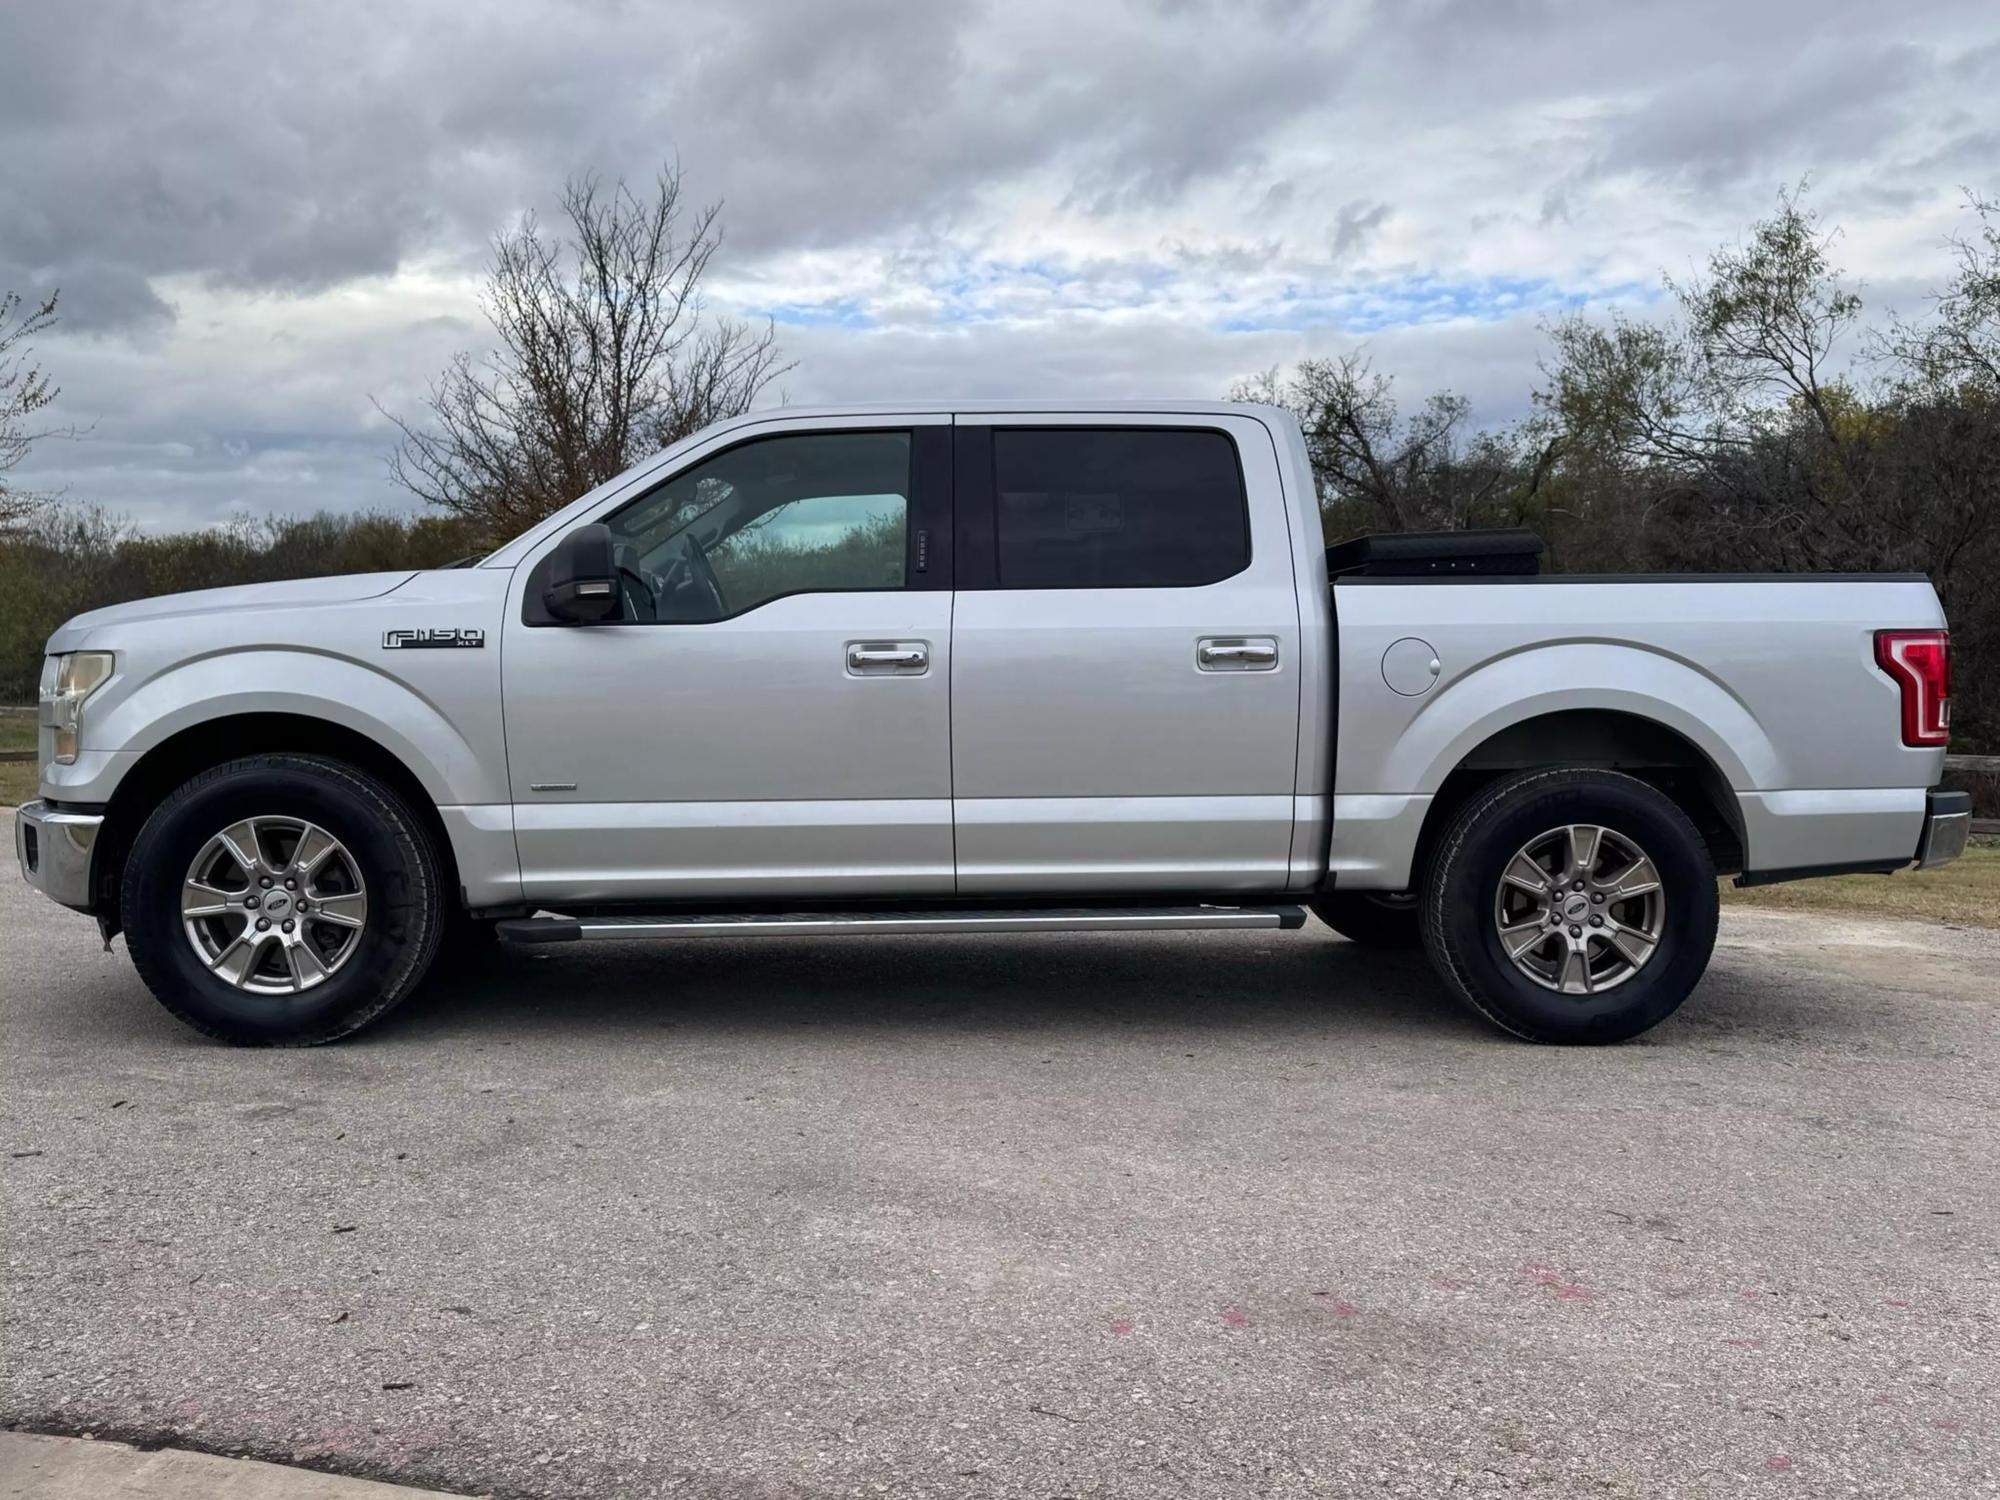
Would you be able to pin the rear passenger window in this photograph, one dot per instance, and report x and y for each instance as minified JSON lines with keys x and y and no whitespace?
{"x":1093,"y":507}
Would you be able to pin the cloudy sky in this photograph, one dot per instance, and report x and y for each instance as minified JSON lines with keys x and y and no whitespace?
{"x":261,"y":215}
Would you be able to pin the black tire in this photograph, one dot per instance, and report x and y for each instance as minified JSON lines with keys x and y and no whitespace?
{"x":388,"y":845}
{"x":1461,"y":928}
{"x":1374,"y":919}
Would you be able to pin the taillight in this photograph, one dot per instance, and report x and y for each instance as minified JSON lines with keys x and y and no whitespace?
{"x":1920,"y":661}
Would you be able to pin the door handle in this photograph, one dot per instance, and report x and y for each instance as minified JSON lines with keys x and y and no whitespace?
{"x":877,"y":658}
{"x":1236,"y":654}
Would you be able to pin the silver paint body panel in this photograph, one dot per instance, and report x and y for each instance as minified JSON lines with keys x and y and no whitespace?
{"x":741,"y":755}
{"x":1774,"y":682}
{"x":1091,"y":751}
{"x":312,"y":649}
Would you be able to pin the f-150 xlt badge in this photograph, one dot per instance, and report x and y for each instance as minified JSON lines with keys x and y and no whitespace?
{"x":431,"y":640}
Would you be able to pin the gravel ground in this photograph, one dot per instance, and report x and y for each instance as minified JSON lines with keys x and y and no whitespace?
{"x":1211,"y":1215}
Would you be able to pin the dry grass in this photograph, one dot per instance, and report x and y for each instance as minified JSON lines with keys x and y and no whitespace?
{"x":17,"y":777}
{"x":1965,"y":893}
{"x":17,"y":782}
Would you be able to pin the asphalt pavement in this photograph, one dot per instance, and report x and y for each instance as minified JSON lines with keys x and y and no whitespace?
{"x":1214,"y":1215}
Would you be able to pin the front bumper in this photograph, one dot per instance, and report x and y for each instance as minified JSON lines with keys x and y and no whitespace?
{"x":55,"y":849}
{"x":1947,"y":824}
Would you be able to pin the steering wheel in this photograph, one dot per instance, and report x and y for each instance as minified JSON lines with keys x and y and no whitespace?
{"x":703,"y":577}
{"x":638,"y":590}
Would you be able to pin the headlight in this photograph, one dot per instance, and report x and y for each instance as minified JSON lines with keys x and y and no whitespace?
{"x":66,"y":681}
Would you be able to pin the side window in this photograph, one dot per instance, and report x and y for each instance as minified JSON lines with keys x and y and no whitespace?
{"x":815,"y":512}
{"x":1135,"y":507}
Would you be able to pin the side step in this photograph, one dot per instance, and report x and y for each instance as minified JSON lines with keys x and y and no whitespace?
{"x":558,"y":929}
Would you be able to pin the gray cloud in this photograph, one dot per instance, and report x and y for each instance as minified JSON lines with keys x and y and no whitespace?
{"x":1355,"y":225}
{"x":95,"y":297}
{"x":294,"y":148}
{"x":262,"y":215}
{"x":1728,"y":121}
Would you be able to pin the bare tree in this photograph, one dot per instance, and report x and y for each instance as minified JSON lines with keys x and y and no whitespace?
{"x":605,"y":354}
{"x":1378,"y":469}
{"x":1753,"y":345}
{"x":1961,"y":344}
{"x":1737,"y":410}
{"x":1629,"y":391}
{"x":1362,"y":448}
{"x":1767,"y":321}
{"x":25,"y":389}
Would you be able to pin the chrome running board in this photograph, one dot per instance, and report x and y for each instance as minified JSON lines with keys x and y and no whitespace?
{"x":551,"y":928}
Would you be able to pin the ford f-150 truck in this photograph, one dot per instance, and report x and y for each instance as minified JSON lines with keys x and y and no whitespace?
{"x":993,"y":668}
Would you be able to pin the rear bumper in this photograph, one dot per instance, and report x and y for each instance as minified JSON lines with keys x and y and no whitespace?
{"x":1947,"y":824}
{"x":55,"y":849}
{"x":1854,"y":832}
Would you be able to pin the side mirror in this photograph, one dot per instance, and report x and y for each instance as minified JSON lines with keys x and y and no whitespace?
{"x":583,"y":577}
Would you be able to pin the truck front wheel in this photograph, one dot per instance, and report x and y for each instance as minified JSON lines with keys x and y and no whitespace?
{"x":1572,"y":906}
{"x":281,"y":900}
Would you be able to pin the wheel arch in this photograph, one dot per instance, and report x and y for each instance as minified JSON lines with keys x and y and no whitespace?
{"x":196,"y":748}
{"x":1613,"y":739}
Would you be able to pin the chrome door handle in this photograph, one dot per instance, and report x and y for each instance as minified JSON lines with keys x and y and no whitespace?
{"x":888,"y":657}
{"x":1236,"y":654}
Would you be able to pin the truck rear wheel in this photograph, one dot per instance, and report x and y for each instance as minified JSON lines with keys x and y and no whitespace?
{"x":1375,"y":919}
{"x":281,"y":900}
{"x":1573,"y":906}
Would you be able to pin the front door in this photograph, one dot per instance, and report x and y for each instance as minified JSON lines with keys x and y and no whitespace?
{"x":770,"y":715}
{"x":1125,"y":672}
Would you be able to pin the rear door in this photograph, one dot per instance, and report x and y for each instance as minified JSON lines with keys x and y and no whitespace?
{"x":1125,"y":643}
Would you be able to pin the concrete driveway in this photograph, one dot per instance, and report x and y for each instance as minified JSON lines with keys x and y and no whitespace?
{"x":1208,"y":1215}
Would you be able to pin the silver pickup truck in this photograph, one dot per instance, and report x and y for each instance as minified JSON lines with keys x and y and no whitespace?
{"x":998,"y":668}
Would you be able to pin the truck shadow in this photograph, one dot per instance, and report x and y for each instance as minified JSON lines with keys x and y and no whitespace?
{"x":1301,"y":983}
{"x":1312,"y":986}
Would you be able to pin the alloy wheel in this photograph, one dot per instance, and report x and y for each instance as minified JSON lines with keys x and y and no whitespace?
{"x":274,"y":905}
{"x":1580,"y":909}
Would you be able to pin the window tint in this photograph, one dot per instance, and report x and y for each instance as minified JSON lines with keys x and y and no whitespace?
{"x":806,"y":513}
{"x":1081,"y":507}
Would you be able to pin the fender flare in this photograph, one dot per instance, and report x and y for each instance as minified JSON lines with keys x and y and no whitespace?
{"x":1612,"y":677}
{"x":305,"y":684}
